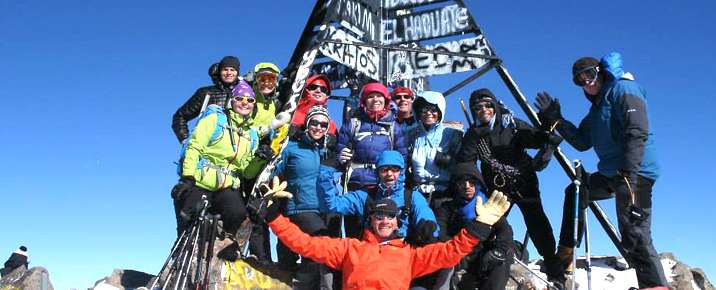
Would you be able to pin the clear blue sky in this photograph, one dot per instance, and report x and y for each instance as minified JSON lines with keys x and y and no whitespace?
{"x":89,"y":87}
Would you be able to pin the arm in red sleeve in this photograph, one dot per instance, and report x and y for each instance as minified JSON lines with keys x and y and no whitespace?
{"x":325,"y":250}
{"x":436,"y":256}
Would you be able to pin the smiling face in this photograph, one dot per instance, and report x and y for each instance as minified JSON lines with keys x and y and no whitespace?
{"x":404,"y":102}
{"x":429,"y":115}
{"x":485,"y":112}
{"x":374,"y":101}
{"x":317,"y":127}
{"x":266,"y":83}
{"x":318,"y":91}
{"x":228,"y":75}
{"x":389,"y":175}
{"x":383,"y":225}
{"x":243,"y":105}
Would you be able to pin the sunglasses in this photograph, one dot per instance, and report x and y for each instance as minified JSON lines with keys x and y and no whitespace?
{"x":399,"y":97}
{"x":381,"y":216}
{"x":484,"y":105}
{"x":431,"y":109}
{"x":247,"y":99}
{"x":313,"y":87}
{"x":316,"y":123}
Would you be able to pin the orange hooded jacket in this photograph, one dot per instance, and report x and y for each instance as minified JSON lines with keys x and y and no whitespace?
{"x":369,"y":264}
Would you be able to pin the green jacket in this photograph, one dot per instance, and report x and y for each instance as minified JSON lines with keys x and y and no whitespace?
{"x":264,"y":113}
{"x":219,"y":164}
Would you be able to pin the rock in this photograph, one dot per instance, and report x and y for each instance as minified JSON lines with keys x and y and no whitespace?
{"x":21,"y":278}
{"x":123,"y":280}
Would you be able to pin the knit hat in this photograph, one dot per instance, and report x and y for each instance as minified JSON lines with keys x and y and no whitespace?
{"x":402,"y":90}
{"x":316,"y":111}
{"x":374,"y":88}
{"x":229,"y":61}
{"x":581,"y":65}
{"x":242,"y":89}
{"x":384,"y":206}
{"x":466,"y":170}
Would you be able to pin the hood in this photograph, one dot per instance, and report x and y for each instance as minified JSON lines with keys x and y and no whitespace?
{"x":433,"y":98}
{"x":613,"y":65}
{"x":390,"y":157}
{"x":313,"y":78}
{"x":502,"y":114}
{"x":461,"y":170}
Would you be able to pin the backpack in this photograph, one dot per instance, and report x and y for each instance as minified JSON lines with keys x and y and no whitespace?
{"x":355,"y":127}
{"x":222,"y":123}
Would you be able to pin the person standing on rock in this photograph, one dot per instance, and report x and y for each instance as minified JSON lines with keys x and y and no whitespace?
{"x":617,"y":127}
{"x":17,"y":259}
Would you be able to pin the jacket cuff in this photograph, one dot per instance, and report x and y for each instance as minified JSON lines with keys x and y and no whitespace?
{"x":479,"y":230}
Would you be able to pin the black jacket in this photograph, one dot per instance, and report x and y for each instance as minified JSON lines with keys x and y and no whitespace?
{"x":218,"y":95}
{"x":508,"y":145}
{"x":450,"y":222}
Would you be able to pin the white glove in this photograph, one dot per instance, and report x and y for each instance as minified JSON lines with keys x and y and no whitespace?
{"x":281,"y":119}
{"x":345,"y":156}
{"x":490,"y":212}
{"x":277,"y":190}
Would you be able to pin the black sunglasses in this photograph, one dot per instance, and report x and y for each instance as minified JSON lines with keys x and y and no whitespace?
{"x":316,"y":123}
{"x":313,"y":87}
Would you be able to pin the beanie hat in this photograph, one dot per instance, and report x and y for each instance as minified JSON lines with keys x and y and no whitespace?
{"x":316,"y":111}
{"x":229,"y":61}
{"x":402,"y":90}
{"x":581,"y":65}
{"x":374,"y":88}
{"x":242,"y":89}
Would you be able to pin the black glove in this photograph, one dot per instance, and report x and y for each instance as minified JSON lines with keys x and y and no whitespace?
{"x":264,"y":152}
{"x":442,"y":159}
{"x":549,"y":109}
{"x":423,"y":234}
{"x":182,"y":187}
{"x":491,"y":259}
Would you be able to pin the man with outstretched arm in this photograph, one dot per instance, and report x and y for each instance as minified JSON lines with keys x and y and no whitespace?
{"x":617,"y":127}
{"x":382,"y":260}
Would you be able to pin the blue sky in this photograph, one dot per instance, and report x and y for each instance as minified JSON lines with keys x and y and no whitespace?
{"x":89,"y":88}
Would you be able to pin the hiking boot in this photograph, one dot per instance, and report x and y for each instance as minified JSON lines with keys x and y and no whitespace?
{"x":564,"y":254}
{"x":558,"y":281}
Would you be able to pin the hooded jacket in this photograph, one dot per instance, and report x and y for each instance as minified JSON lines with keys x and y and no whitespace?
{"x":353,"y":202}
{"x":212,"y":164}
{"x":617,"y":125}
{"x":508,"y":139}
{"x":306,"y":102}
{"x":431,"y":141}
{"x":369,"y":140}
{"x":370,"y":264}
{"x":299,"y":166}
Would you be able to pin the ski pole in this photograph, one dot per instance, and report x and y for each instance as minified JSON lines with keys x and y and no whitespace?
{"x":587,"y":251}
{"x":467,"y":115}
{"x":577,"y":183}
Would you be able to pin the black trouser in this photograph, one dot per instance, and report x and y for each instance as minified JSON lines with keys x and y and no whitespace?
{"x":308,"y":273}
{"x":260,"y":239}
{"x":540,"y":232}
{"x":226,"y":202}
{"x":635,"y":233}
{"x":469,"y":274}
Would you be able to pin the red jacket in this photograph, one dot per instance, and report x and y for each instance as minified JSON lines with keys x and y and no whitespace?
{"x":306,"y":102}
{"x":368,"y":264}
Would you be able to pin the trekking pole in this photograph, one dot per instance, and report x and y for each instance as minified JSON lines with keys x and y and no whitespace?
{"x":467,"y":115}
{"x":587,"y":251}
{"x":577,"y":184}
{"x":178,"y":244}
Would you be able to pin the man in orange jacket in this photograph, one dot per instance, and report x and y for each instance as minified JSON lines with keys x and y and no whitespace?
{"x":382,"y":260}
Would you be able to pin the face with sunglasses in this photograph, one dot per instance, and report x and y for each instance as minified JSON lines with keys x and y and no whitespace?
{"x":243,"y":105}
{"x":429,"y":114}
{"x":485,"y":111}
{"x":404,"y":102}
{"x":318,"y":91}
{"x":317,"y":127}
{"x":266,"y":82}
{"x":383,"y":225}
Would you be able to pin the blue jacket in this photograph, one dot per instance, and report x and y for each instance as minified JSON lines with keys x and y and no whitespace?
{"x":617,"y":125}
{"x":353,"y":202}
{"x":430,"y":141}
{"x":370,"y":139}
{"x":300,"y":162}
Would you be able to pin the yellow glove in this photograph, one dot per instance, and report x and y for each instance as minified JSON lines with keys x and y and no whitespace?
{"x":495,"y":207}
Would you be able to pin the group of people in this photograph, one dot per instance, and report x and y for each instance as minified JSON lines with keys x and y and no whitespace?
{"x":378,"y":199}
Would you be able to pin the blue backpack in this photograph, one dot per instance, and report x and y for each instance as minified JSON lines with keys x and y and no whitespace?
{"x":221,"y":123}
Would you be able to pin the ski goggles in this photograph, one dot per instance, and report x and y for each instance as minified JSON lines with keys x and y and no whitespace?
{"x":313,"y":87}
{"x":245,"y":99}
{"x":587,"y":75}
{"x":266,"y":78}
{"x":316,"y":123}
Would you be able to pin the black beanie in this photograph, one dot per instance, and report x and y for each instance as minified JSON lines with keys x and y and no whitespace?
{"x":480,"y":94}
{"x":581,"y":65}
{"x":466,"y":170}
{"x":230,"y":61}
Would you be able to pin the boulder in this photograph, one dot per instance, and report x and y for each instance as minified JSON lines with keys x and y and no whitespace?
{"x":22,"y":278}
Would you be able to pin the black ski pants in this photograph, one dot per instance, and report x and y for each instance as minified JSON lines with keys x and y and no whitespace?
{"x":469,"y":273}
{"x":635,"y":232}
{"x":308,"y":274}
{"x":540,"y":232}
{"x":226,"y":202}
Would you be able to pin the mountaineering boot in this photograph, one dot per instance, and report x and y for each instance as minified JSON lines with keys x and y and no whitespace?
{"x":564,"y":254}
{"x":554,"y":271}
